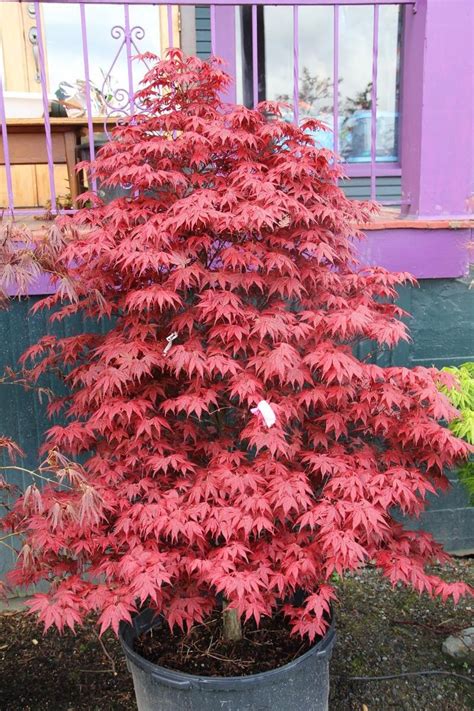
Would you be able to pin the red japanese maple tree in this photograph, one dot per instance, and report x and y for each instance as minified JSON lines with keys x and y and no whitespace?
{"x":229,"y":275}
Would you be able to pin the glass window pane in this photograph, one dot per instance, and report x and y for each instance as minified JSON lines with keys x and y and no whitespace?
{"x":316,"y":90}
{"x":355,"y":100}
{"x":316,"y":61}
{"x":278,"y":38}
{"x":274,"y":54}
{"x":388,"y":82}
{"x":355,"y":85}
{"x":62,"y":35}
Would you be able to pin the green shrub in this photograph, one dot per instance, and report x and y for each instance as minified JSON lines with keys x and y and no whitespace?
{"x":462,"y":397}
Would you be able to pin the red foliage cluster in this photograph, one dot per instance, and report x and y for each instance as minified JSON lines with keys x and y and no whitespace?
{"x":236,"y":238}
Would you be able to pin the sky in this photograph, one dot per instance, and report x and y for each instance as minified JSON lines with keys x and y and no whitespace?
{"x":62,"y":26}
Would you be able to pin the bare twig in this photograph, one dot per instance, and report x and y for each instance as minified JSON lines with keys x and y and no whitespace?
{"x":424,"y":672}
{"x":437,"y":629}
{"x":33,"y":473}
{"x":107,"y":654}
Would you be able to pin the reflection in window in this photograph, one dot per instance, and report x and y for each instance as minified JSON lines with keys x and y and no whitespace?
{"x":388,"y":84}
{"x":355,"y":87}
{"x":278,"y":54}
{"x":316,"y":77}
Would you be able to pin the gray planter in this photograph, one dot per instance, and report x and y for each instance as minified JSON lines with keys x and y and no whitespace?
{"x":301,"y":685}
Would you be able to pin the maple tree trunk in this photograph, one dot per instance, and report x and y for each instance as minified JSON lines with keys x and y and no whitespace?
{"x":231,"y":625}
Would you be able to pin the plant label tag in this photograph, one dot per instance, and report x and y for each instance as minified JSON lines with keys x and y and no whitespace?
{"x":264,"y":410}
{"x":169,"y":342}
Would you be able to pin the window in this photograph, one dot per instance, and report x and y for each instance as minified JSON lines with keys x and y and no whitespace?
{"x":316,"y":49}
{"x":108,"y":70}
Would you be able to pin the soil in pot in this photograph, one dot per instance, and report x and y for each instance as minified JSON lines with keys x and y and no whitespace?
{"x":203,"y":651}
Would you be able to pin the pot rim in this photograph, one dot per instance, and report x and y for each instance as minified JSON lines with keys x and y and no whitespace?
{"x":172,"y":677}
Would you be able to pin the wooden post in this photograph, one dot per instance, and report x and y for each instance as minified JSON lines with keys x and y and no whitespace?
{"x":231,"y":624}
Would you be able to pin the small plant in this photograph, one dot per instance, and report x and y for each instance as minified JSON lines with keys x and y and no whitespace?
{"x":461,"y":395}
{"x":27,"y":254}
{"x":63,"y":202}
{"x":235,"y":454}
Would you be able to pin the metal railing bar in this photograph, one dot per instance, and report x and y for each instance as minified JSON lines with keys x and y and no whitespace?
{"x":42,"y":211}
{"x":213,"y":30}
{"x":362,"y":170}
{"x":254,"y":55}
{"x":44,"y":92}
{"x":373,"y":168}
{"x":85,"y":55}
{"x":128,"y":52}
{"x":6,"y":151}
{"x":296,"y":67}
{"x":243,"y":2}
{"x":335,"y":79}
{"x":169,"y":12}
{"x":373,"y":133}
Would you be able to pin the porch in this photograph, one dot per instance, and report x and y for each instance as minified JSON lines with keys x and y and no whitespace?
{"x":358,"y":66}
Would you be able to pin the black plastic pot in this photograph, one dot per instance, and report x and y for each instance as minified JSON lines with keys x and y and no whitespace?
{"x":301,"y":685}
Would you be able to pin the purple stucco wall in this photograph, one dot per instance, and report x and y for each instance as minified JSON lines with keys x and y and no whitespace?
{"x":438,"y":108}
{"x":425,"y":253}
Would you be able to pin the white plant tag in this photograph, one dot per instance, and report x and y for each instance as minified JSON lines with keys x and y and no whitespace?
{"x":169,"y":342}
{"x":264,"y":410}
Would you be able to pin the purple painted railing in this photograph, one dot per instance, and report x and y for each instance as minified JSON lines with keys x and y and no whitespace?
{"x":130,"y":38}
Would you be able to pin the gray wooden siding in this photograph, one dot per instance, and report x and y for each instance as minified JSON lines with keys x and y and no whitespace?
{"x":441,"y":327}
{"x":203,"y":31}
{"x":22,"y":413}
{"x":388,"y":188}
